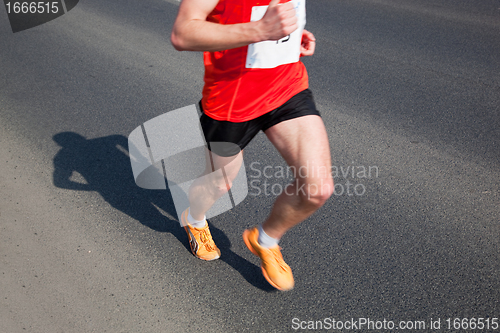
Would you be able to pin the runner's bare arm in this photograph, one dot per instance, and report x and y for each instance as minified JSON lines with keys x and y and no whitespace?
{"x":191,"y":31}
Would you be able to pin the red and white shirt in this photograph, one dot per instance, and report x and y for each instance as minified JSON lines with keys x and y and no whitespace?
{"x":246,"y":82}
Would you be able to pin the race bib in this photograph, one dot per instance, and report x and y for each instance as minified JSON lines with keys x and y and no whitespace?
{"x":271,"y":54}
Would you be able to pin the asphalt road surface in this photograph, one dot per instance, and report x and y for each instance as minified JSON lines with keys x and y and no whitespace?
{"x":410,"y":94}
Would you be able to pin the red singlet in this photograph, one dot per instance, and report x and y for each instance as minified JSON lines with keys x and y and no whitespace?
{"x":244,"y":83}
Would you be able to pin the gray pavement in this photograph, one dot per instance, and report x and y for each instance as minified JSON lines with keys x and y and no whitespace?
{"x":410,"y":95}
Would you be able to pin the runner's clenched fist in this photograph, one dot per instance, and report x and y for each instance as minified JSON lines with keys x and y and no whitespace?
{"x":279,"y":21}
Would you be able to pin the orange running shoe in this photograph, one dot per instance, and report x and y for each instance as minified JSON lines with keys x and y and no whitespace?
{"x":274,"y":268}
{"x":200,"y":240}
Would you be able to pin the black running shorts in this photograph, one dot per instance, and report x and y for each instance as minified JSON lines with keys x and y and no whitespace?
{"x":242,"y":133}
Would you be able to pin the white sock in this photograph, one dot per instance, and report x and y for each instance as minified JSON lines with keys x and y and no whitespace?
{"x":195,"y":223}
{"x":265,"y":240}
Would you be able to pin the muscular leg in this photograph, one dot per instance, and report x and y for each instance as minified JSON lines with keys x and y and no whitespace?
{"x":303,"y":143}
{"x":209,"y":187}
{"x":203,"y":193}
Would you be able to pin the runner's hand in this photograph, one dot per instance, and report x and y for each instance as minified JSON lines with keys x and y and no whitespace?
{"x":308,"y":44}
{"x":279,"y":21}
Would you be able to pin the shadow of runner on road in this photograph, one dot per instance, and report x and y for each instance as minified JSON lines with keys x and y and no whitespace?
{"x":105,"y":166}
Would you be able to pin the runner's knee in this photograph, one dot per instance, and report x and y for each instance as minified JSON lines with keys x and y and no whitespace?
{"x":221,"y":185}
{"x":316,"y":193}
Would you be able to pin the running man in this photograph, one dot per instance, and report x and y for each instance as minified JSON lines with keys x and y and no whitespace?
{"x":254,"y":80}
